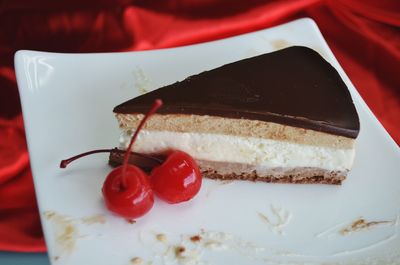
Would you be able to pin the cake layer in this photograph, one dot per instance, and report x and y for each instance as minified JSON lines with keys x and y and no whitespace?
{"x":234,"y":127}
{"x":293,"y":86}
{"x":262,"y":154}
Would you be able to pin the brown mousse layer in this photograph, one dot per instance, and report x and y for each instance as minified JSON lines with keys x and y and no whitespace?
{"x":234,"y":127}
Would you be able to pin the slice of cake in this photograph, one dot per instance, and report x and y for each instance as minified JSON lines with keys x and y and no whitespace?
{"x":285,"y":116}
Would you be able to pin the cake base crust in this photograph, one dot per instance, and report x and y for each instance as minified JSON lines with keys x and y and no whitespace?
{"x":305,"y":175}
{"x":305,"y":178}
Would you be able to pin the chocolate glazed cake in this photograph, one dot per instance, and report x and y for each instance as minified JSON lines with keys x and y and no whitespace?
{"x":285,"y":116}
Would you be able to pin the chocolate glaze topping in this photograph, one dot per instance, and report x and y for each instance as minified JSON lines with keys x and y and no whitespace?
{"x":294,"y":86}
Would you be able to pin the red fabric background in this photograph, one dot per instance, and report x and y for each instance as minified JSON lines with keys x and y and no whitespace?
{"x":363,"y":34}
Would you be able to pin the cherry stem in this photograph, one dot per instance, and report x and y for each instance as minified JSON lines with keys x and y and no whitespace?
{"x":64,"y":163}
{"x":156,"y":105}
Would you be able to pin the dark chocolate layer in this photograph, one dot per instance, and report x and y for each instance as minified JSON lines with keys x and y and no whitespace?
{"x":294,"y":86}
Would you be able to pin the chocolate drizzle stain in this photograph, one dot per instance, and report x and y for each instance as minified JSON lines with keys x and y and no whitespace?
{"x":161,"y":238}
{"x":360,"y":224}
{"x":281,"y":216}
{"x":131,"y":221}
{"x":179,"y":250}
{"x":182,"y":250}
{"x":66,"y":232}
{"x":186,"y":256}
{"x":68,"y":237}
{"x":195,"y":238}
{"x":136,"y":261}
{"x":95,"y":219}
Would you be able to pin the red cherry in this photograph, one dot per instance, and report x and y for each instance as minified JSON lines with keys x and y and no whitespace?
{"x":126,"y":190}
{"x":133,"y":201}
{"x":178,"y":179}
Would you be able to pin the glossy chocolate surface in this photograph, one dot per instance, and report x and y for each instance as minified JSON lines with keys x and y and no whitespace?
{"x":294,"y":86}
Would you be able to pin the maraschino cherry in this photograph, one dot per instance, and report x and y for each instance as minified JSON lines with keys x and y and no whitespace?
{"x":126,"y":189}
{"x":178,"y":179}
{"x":131,"y":201}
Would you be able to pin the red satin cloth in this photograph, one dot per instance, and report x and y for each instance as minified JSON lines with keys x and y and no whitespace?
{"x":364,"y":35}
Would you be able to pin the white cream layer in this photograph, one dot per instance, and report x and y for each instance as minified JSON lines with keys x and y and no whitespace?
{"x":262,"y":153}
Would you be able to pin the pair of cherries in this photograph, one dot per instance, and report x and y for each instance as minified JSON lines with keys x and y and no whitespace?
{"x":128,"y":191}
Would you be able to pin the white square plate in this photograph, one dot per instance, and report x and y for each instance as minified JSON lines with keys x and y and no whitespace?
{"x":67,"y":102}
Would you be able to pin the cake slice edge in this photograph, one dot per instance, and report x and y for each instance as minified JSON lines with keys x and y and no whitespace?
{"x":228,"y":148}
